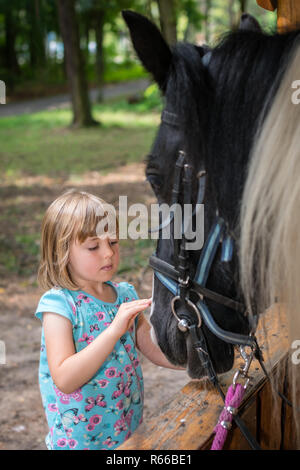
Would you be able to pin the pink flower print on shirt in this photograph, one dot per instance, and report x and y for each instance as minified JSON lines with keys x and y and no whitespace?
{"x":128,"y":368}
{"x":52,"y":407}
{"x":128,"y":417}
{"x":72,"y":443}
{"x":86,"y":338}
{"x":90,"y":427}
{"x":62,"y":442}
{"x":103,"y":383}
{"x":100,"y":315}
{"x":95,"y":420}
{"x":73,"y":308}
{"x":83,"y":297}
{"x":136,"y":363}
{"x":120,"y":405}
{"x":120,"y":425}
{"x":128,"y":347}
{"x":65,"y":398}
{"x":111,"y":372}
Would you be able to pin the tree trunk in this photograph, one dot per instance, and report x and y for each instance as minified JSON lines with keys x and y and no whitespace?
{"x":11,"y":61}
{"x":232,"y":16}
{"x":167,"y":17}
{"x":36,"y":34}
{"x":99,"y":30}
{"x":207,"y":8}
{"x":243,"y":6}
{"x":82,"y":116}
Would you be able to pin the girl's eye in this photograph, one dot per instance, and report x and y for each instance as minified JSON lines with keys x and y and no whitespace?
{"x":95,"y":247}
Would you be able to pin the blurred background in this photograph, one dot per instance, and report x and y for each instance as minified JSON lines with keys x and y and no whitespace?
{"x":80,"y":112}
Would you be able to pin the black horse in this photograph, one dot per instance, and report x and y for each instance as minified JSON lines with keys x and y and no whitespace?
{"x":220,"y":98}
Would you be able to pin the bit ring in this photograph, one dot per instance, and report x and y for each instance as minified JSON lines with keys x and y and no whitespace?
{"x":191,"y":304}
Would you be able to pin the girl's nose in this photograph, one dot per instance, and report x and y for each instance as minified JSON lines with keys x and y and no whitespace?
{"x":107,"y":250}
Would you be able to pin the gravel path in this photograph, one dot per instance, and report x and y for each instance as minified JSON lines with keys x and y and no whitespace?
{"x":63,"y":101}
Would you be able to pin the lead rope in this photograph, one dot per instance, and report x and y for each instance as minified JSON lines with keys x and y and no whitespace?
{"x":233,"y":400}
{"x":199,"y":343}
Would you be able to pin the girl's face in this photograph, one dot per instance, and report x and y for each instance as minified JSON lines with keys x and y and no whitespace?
{"x":94,"y":260}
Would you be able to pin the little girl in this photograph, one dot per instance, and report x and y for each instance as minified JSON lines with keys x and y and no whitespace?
{"x":90,"y":376}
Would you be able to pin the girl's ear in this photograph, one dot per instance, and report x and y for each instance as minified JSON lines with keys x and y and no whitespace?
{"x":150,"y":46}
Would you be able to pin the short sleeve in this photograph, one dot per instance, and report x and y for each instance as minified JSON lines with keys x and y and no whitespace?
{"x":132,"y":292}
{"x":55,"y":300}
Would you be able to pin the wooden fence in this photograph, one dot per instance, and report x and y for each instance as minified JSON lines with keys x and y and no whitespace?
{"x":187,"y":421}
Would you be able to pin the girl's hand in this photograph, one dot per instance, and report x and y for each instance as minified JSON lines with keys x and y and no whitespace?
{"x":126,"y":314}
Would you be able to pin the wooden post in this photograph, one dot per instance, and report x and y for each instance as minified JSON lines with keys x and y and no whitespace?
{"x":288,"y":13}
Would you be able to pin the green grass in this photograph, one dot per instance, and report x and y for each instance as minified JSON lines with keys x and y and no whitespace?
{"x":123,"y":73}
{"x":42,"y":143}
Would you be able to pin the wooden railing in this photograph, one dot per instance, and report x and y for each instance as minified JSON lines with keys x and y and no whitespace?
{"x":187,"y":421}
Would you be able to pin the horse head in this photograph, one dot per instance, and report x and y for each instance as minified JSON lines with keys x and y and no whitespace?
{"x":214,"y":100}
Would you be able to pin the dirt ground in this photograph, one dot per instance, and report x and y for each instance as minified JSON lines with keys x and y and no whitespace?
{"x":22,"y":420}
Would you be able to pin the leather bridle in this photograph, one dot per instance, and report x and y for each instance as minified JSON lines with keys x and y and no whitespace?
{"x":176,"y":278}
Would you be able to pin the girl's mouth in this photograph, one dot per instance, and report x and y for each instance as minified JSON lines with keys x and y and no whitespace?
{"x":107,"y":268}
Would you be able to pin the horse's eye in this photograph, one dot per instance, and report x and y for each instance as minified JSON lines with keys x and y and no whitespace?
{"x":155,"y":181}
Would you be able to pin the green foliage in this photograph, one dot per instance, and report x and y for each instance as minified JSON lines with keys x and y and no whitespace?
{"x":152,"y":98}
{"x":42,"y":143}
{"x":29,"y":26}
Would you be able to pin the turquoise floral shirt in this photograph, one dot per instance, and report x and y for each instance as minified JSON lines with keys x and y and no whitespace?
{"x":104,"y":412}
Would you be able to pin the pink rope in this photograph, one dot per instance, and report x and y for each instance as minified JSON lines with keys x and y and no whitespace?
{"x":234,"y":398}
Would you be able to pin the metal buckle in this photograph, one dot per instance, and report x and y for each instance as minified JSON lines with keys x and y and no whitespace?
{"x":192,"y":305}
{"x":243,"y":372}
{"x":184,"y":282}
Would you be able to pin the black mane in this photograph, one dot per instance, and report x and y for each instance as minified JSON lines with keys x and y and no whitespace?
{"x":247,"y":69}
{"x":220,"y":107}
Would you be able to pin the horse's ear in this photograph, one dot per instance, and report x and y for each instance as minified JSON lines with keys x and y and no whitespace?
{"x":150,"y":46}
{"x":249,"y":23}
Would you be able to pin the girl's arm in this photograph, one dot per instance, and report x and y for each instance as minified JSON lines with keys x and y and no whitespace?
{"x":70,"y":369}
{"x":148,"y":348}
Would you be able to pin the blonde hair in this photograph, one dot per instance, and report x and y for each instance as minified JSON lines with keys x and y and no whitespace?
{"x":270,"y":222}
{"x":73,"y":216}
